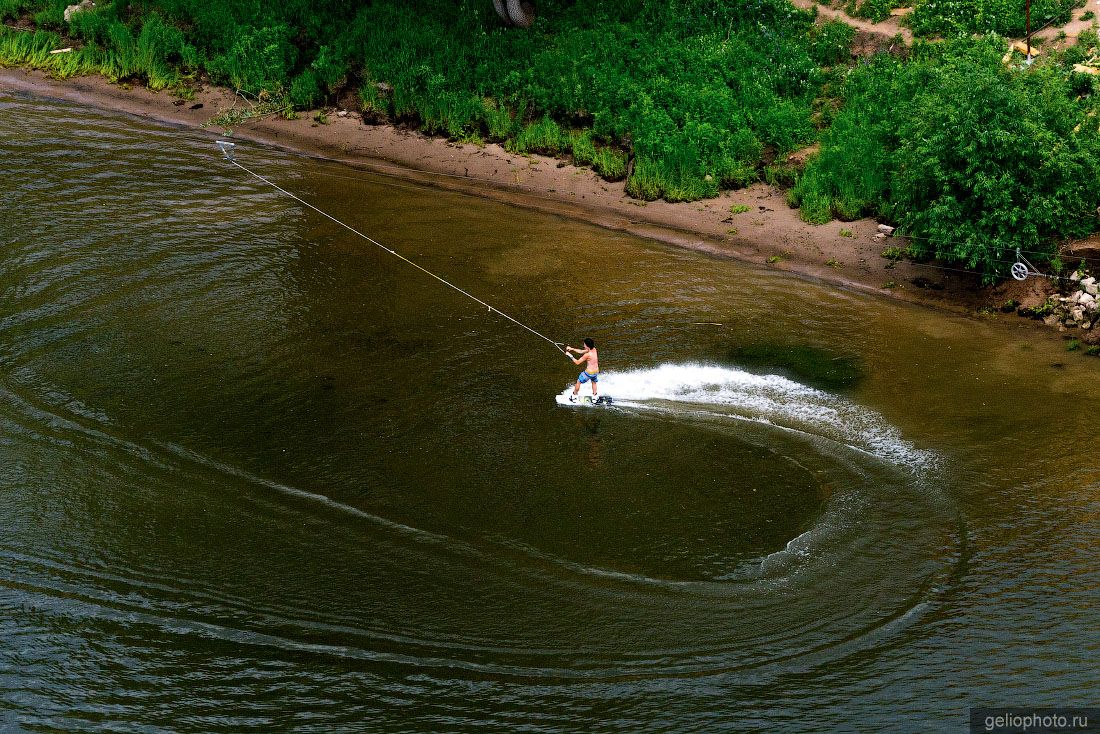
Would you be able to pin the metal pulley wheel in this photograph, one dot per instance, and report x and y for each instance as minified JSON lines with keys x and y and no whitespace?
{"x":1019,"y":271}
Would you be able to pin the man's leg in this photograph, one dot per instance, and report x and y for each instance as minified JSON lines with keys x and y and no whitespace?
{"x":594,"y":387}
{"x":577,"y":387}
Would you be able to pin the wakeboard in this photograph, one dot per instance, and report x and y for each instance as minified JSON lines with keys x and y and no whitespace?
{"x":585,"y":401}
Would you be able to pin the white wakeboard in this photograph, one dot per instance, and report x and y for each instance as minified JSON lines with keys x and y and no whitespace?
{"x":584,"y":400}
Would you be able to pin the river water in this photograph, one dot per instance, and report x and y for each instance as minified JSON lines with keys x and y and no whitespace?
{"x":260,"y":475}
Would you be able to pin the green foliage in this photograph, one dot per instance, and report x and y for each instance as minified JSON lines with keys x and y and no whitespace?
{"x":610,"y":164}
{"x":543,"y":136}
{"x":831,"y":42}
{"x":971,"y":157}
{"x":1004,"y":17}
{"x":584,"y":150}
{"x":258,"y":62}
{"x":13,"y":9}
{"x":740,"y":208}
{"x":1023,"y":175}
{"x":780,"y":175}
{"x":696,"y":91}
{"x":874,"y":10}
{"x":498,"y":120}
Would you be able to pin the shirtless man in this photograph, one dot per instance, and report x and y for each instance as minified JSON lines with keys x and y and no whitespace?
{"x":591,"y":362}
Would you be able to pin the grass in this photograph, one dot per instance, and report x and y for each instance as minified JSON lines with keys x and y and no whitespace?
{"x":740,"y":208}
{"x":952,"y":18}
{"x":696,"y":93}
{"x":542,"y":136}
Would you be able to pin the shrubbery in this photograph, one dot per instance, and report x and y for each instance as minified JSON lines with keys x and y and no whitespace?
{"x":972,"y":157}
{"x":1005,"y":17}
{"x":696,"y":90}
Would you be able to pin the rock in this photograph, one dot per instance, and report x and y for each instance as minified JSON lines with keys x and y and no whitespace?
{"x":1072,"y":300}
{"x":1022,"y":48}
{"x":342,"y":113}
{"x":1091,"y":290}
{"x":1052,"y":320}
{"x":80,"y":8}
{"x":1082,"y":69}
{"x":879,"y":236}
{"x":1087,"y":300}
{"x":1088,"y":281}
{"x":1077,"y":313}
{"x":886,"y":229}
{"x":1076,"y":275}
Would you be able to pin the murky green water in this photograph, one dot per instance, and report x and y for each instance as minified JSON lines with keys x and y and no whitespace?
{"x":258,"y":475}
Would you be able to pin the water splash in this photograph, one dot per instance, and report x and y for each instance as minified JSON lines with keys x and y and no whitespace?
{"x":727,"y":392}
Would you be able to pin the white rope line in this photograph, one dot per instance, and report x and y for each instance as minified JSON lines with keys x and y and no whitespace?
{"x":492,"y":309}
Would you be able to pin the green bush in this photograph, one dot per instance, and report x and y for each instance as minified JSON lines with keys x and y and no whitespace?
{"x":12,"y":9}
{"x":543,"y":136}
{"x":259,"y":60}
{"x":831,"y":42}
{"x":582,"y":147}
{"x":701,"y":89}
{"x":874,"y":10}
{"x":610,"y":164}
{"x":971,"y":157}
{"x":498,"y":120}
{"x":1004,"y":17}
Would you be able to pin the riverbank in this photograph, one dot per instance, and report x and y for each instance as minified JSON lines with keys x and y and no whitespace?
{"x":754,"y":224}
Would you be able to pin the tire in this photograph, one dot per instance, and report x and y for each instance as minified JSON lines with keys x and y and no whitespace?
{"x":520,"y":12}
{"x":502,"y":11}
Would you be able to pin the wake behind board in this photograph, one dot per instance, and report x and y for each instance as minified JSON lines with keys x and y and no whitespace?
{"x":583,"y":401}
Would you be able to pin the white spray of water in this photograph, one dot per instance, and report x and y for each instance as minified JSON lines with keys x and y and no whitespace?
{"x":771,"y":399}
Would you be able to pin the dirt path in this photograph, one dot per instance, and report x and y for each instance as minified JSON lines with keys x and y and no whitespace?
{"x":888,"y":28}
{"x":1074,"y":27}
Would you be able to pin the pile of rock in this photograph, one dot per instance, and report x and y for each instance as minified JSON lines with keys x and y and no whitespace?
{"x":1080,"y":307}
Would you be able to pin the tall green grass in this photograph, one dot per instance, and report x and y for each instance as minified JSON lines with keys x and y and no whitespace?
{"x":699,"y":92}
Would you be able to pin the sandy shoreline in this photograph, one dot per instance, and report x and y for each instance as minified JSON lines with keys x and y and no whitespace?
{"x":769,"y":231}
